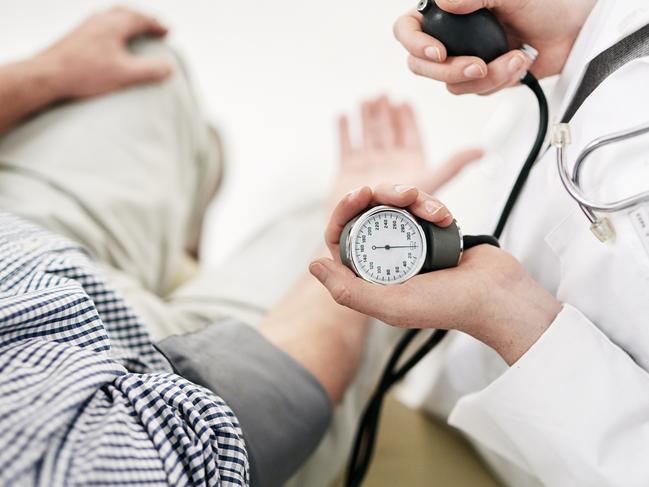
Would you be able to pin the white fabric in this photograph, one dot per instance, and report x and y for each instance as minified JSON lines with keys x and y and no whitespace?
{"x":575,"y":409}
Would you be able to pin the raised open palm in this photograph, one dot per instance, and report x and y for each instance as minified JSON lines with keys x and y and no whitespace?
{"x":391,"y":151}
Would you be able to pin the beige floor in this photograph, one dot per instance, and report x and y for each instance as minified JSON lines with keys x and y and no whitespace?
{"x":415,"y":451}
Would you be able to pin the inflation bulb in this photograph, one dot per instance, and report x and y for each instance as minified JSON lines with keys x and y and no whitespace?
{"x":476,"y":34}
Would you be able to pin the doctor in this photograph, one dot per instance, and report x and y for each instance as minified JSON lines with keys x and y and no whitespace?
{"x":550,"y":377}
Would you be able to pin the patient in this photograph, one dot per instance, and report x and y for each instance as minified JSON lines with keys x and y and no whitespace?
{"x":121,"y":360}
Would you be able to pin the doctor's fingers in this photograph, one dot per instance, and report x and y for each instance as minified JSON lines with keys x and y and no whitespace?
{"x":431,"y":209}
{"x":359,"y":200}
{"x":504,"y":72}
{"x":467,"y":6}
{"x":407,"y":30}
{"x":453,"y":70}
{"x":381,"y":302}
{"x":417,"y":202}
{"x":350,"y":206}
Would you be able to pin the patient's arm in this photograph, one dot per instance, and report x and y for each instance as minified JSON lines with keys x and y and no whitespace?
{"x":91,"y":60}
{"x":25,"y":87}
{"x":324,"y":337}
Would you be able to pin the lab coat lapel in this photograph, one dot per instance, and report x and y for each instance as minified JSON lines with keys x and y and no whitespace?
{"x":610,"y":22}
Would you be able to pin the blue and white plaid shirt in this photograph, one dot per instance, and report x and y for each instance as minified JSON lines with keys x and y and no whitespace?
{"x":85,"y":399}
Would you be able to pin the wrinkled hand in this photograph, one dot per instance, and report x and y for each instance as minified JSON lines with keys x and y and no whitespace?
{"x":391,"y":149}
{"x":94,"y":59}
{"x":489,"y":296}
{"x":550,"y":26}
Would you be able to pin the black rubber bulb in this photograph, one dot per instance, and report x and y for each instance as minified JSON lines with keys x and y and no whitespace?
{"x":476,"y":34}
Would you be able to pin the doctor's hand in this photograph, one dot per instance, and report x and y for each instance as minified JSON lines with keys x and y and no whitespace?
{"x":94,"y":59}
{"x":550,"y":26}
{"x":489,"y":296}
{"x":391,"y":148}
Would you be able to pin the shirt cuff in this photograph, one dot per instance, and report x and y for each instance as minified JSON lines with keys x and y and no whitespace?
{"x":554,"y":410}
{"x":281,"y":407}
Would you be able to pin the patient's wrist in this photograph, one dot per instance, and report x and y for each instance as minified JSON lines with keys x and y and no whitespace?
{"x":48,"y":76}
{"x":27,"y":87}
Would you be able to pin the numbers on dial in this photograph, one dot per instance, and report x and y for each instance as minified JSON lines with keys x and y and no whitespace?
{"x":388,"y":247}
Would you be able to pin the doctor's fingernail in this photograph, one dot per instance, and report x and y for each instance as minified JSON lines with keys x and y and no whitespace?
{"x":403,"y":188}
{"x":474,"y":71}
{"x":433,"y":53}
{"x":353,"y":194}
{"x":516,"y":63}
{"x":433,"y":207}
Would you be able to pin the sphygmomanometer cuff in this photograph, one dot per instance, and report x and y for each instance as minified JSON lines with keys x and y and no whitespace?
{"x":282,"y":409}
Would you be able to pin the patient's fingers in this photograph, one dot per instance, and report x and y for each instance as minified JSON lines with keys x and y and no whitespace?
{"x":367,"y":121}
{"x":144,"y":70}
{"x":344,"y":138}
{"x":385,"y":123}
{"x":134,"y":23}
{"x":410,"y":135}
{"x":447,"y":171}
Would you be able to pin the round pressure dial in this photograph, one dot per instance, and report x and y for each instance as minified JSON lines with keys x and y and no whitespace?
{"x":385,"y":245}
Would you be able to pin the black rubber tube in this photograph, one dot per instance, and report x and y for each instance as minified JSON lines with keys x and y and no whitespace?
{"x":532,"y":83}
{"x":365,"y":440}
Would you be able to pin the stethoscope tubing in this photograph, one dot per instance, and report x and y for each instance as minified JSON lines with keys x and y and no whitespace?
{"x":572,"y":182}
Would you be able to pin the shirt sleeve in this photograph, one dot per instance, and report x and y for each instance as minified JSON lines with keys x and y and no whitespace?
{"x":281,"y":407}
{"x":572,"y":411}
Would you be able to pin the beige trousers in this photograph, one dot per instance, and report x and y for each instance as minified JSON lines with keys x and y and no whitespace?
{"x":128,"y":176}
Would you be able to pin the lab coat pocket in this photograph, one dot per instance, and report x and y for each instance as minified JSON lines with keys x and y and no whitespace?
{"x":607,"y":282}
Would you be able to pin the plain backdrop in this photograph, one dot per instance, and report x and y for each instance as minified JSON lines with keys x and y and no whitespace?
{"x":273,"y":76}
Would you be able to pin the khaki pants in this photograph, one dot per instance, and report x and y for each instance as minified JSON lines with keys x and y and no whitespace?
{"x":128,"y":176}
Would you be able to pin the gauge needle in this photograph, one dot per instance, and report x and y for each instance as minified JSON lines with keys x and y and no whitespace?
{"x":388,"y":247}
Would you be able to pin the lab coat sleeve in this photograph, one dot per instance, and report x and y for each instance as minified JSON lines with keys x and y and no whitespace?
{"x":574,"y":410}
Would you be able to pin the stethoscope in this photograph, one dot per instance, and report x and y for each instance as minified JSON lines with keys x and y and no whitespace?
{"x":601,"y":226}
{"x":478,"y":34}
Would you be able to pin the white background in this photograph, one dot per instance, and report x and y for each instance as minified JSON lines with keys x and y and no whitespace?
{"x":273,"y":76}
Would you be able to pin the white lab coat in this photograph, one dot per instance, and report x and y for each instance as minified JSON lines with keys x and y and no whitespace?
{"x":574,"y":410}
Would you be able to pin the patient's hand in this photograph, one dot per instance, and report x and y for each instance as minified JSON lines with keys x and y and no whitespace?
{"x":94,"y":59}
{"x":391,"y":150}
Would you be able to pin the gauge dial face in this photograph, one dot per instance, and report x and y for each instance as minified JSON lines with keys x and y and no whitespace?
{"x":387,"y":246}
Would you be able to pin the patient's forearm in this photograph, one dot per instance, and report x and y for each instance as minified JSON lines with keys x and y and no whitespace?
{"x":25,"y":88}
{"x":324,"y":337}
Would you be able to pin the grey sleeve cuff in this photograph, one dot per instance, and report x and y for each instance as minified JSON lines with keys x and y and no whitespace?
{"x":283,"y":410}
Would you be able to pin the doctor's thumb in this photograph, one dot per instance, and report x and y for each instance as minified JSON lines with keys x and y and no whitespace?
{"x":345,"y":288}
{"x":335,"y":278}
{"x":466,"y":6}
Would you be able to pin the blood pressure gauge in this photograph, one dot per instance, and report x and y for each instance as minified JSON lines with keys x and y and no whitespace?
{"x":387,"y":245}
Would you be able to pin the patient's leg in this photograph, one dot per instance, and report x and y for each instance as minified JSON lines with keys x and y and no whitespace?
{"x":126,"y":175}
